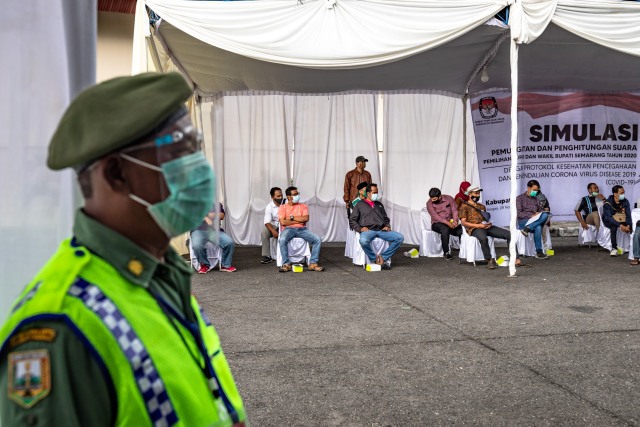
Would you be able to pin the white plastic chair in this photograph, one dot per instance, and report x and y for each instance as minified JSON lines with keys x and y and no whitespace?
{"x":431,"y":244}
{"x":604,"y":236}
{"x":470,"y":249}
{"x":214,"y":255}
{"x":348,"y":244}
{"x":359,"y":257}
{"x":298,"y":251}
{"x":588,"y":236}
{"x":526,"y":245}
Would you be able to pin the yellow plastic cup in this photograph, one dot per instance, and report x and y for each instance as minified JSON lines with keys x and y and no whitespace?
{"x":551,"y":252}
{"x":297,"y":268}
{"x":620,"y":251}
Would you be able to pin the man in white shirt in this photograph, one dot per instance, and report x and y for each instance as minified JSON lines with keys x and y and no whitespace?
{"x":271,"y":224}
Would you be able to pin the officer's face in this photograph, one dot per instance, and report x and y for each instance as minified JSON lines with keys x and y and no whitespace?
{"x":150,"y":184}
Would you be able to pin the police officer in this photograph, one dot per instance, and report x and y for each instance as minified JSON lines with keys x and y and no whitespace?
{"x":108,"y":333}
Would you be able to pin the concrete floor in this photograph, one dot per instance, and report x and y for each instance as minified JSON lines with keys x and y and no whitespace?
{"x":432,"y":342}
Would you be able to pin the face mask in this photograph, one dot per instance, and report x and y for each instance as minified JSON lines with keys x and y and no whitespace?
{"x":296,"y":198}
{"x":191,"y":193}
{"x":278,"y":201}
{"x":475,"y":198}
{"x":595,"y":193}
{"x":621,"y":197}
{"x":374,"y":197}
{"x":533,"y":193}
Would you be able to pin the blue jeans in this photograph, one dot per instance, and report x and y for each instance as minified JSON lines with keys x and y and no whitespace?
{"x":536,"y":227}
{"x":636,"y":242}
{"x":394,"y":238}
{"x":291,"y":232}
{"x":199,"y":239}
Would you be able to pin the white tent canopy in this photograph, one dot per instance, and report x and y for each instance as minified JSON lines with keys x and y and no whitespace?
{"x":324,"y":46}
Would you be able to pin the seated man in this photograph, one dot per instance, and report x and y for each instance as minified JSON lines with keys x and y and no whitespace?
{"x":271,"y":224}
{"x":528,"y":205}
{"x":293,"y":217}
{"x":471,"y":216}
{"x":616,"y":213}
{"x":444,"y":218}
{"x":370,"y":220}
{"x":206,"y":233}
{"x":587,"y":208}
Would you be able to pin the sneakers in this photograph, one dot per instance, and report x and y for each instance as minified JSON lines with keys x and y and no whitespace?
{"x":229,"y":269}
{"x":386,"y":266}
{"x":541,"y":255}
{"x":525,"y":231}
{"x":614,"y":252}
{"x":203,"y":269}
{"x":448,"y":256}
{"x":491,"y":264}
{"x":266,"y":260}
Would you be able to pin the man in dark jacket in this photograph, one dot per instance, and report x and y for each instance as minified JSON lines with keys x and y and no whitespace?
{"x":616,"y":213}
{"x":370,"y":220}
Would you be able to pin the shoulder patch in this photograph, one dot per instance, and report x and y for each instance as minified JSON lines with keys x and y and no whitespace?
{"x":29,"y":377}
{"x":33,"y":334}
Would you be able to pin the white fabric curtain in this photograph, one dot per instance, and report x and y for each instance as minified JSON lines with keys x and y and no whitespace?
{"x":252,"y":136}
{"x":330,"y":132}
{"x":326,"y":34}
{"x":37,"y":206}
{"x":423,"y":149}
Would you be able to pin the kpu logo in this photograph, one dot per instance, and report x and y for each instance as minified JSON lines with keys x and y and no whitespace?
{"x":488,"y":107}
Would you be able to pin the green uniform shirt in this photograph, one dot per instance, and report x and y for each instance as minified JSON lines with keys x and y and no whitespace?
{"x":81,"y":394}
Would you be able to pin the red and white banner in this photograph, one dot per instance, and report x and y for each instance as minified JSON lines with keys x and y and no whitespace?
{"x":566,"y":141}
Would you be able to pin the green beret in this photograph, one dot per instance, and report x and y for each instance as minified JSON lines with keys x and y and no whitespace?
{"x":114,"y":114}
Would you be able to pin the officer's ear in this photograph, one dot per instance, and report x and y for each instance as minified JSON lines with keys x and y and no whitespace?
{"x":113,"y":173}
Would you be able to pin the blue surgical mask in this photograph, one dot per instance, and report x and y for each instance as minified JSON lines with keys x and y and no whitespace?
{"x":191,"y":193}
{"x":374,"y":197}
{"x":621,"y":197}
{"x":296,"y":198}
{"x":533,"y":193}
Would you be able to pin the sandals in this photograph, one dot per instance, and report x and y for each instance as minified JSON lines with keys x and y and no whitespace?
{"x":519,"y":263}
{"x":635,"y":261}
{"x":285,"y":268}
{"x":315,"y":267}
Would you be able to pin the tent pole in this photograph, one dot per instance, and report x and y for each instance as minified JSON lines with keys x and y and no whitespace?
{"x":514,"y":155}
{"x":464,"y":134}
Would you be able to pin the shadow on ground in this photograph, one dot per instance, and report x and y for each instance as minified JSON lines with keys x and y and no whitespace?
{"x":432,"y":342}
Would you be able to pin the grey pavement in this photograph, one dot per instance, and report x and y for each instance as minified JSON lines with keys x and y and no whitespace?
{"x":432,"y":342}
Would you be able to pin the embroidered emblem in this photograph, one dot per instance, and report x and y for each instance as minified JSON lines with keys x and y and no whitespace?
{"x":29,"y":377}
{"x":34,"y":334}
{"x":135,"y":267}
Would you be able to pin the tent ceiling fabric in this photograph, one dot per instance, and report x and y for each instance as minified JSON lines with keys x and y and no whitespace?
{"x":446,"y":68}
{"x":324,"y":46}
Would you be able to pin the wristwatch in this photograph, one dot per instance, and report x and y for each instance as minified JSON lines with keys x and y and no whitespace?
{"x":291,"y":217}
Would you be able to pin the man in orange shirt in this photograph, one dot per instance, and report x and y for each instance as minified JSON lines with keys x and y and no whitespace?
{"x":293,"y":217}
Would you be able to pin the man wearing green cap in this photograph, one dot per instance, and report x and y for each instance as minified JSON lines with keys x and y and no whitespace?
{"x":108,"y":333}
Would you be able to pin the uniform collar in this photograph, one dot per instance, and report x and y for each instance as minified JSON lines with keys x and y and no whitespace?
{"x":130,"y":260}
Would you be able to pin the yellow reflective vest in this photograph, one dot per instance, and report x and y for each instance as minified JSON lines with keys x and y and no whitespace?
{"x":153,"y":356}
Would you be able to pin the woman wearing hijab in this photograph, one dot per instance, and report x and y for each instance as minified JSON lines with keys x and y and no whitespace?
{"x":462,"y":195}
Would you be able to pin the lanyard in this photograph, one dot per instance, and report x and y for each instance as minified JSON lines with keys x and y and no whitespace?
{"x":208,"y":370}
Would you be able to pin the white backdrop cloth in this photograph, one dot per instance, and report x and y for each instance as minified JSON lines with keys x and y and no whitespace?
{"x":253,"y":135}
{"x":423,"y":149}
{"x":43,"y":65}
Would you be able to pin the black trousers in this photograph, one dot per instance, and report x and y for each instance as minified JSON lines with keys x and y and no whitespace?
{"x":444,"y":231}
{"x":614,"y":234}
{"x":482,"y":235}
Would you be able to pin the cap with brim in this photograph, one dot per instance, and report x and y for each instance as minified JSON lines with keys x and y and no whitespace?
{"x":473,"y":188}
{"x":113,"y":115}
{"x":361,"y":159}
